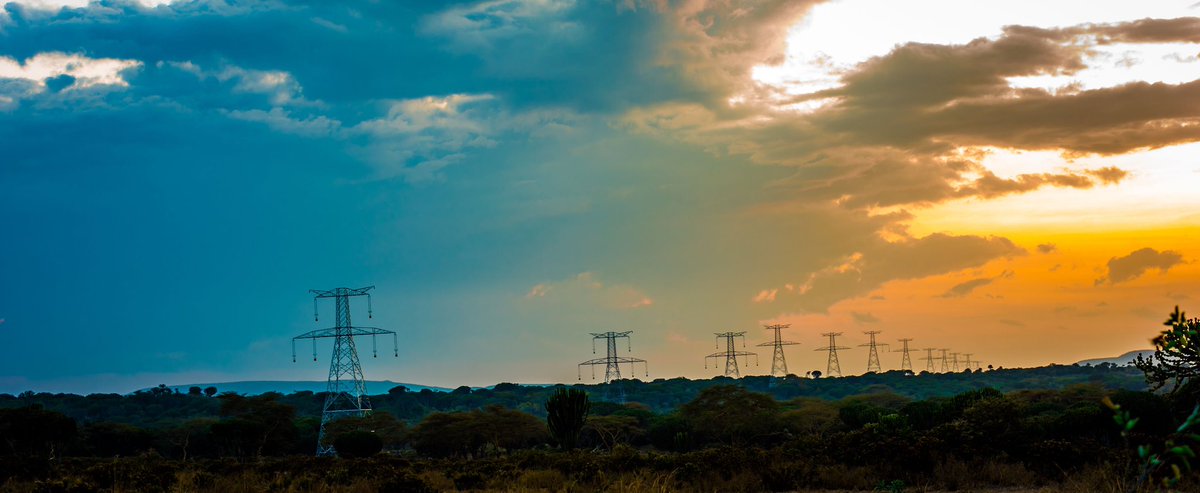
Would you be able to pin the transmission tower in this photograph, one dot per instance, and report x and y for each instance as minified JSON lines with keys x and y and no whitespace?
{"x":929,"y":359}
{"x":905,"y":360}
{"x":968,"y":363}
{"x":954,"y":362}
{"x":346,"y":393}
{"x":833,"y":368}
{"x":945,"y":361}
{"x":731,"y":353}
{"x":872,"y":358}
{"x":778,"y":364}
{"x":612,"y":362}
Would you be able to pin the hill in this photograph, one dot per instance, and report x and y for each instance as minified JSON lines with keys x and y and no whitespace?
{"x":374,"y":387}
{"x":1122,"y":360}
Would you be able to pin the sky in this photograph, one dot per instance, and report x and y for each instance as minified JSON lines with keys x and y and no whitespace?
{"x":1015,"y":180}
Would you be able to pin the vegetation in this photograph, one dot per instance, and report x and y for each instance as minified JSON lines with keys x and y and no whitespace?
{"x":1029,"y":428}
{"x":566,"y":412}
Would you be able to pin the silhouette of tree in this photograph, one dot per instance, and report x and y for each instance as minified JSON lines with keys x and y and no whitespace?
{"x":195,"y":391}
{"x":210,"y":391}
{"x":1176,"y":357}
{"x":357,"y":443}
{"x":566,"y":413}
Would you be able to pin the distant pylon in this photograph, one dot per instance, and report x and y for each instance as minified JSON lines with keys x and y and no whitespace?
{"x":778,"y":364}
{"x":833,"y":368}
{"x":611,"y":362}
{"x":731,"y":353}
{"x":954,"y":362}
{"x":945,"y":361}
{"x":346,"y":391}
{"x":873,"y":357}
{"x":905,"y":360}
{"x":929,"y":359}
{"x":968,"y":362}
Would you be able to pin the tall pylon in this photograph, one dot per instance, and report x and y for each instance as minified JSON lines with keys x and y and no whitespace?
{"x":833,"y":368}
{"x":873,"y":365}
{"x":611,"y":361}
{"x":778,"y":364}
{"x":945,"y":361}
{"x":954,"y":362}
{"x":968,"y":363}
{"x":731,"y":353}
{"x":346,"y":391}
{"x":929,"y":359}
{"x":905,"y":359}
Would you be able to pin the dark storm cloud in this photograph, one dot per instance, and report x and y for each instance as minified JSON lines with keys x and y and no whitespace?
{"x":1135,"y":264}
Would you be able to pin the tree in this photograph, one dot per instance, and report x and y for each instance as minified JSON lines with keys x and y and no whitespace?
{"x":391,"y":432}
{"x":195,"y":391}
{"x":255,"y":425}
{"x":33,"y":431}
{"x":445,"y":434}
{"x":731,"y":414}
{"x":357,"y":443}
{"x":816,"y":373}
{"x":1176,"y":358}
{"x":566,"y":413}
{"x":210,"y":391}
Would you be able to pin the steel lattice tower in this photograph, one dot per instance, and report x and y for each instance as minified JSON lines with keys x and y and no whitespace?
{"x":954,"y":362}
{"x":611,"y":362}
{"x":905,"y":360}
{"x":945,"y":362}
{"x":778,"y":364}
{"x":731,"y":353}
{"x":873,"y":358}
{"x":346,"y":392}
{"x":968,"y":362}
{"x":929,"y":359}
{"x":833,"y":368}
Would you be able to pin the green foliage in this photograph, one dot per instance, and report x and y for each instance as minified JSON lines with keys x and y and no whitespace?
{"x":1167,"y":465}
{"x":566,"y":413}
{"x":357,"y":443}
{"x":391,"y":432}
{"x":254,"y":426}
{"x":1176,"y":356}
{"x":475,"y":432}
{"x":731,"y":414}
{"x":33,"y":431}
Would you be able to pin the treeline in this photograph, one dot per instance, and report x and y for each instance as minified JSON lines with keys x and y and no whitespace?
{"x":161,"y":407}
{"x":727,"y":433}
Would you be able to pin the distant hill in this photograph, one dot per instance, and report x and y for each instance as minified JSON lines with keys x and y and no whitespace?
{"x":1121,"y":360}
{"x":374,"y":387}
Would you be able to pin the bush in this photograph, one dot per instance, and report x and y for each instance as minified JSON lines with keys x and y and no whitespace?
{"x":357,"y":443}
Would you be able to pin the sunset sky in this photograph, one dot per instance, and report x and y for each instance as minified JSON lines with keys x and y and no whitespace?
{"x":1019,"y":180}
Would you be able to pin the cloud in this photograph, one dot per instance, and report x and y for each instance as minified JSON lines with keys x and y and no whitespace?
{"x":280,"y":120}
{"x":909,"y":258}
{"x":862,"y":318}
{"x":1047,"y":248}
{"x":586,"y":289}
{"x":964,"y":288}
{"x":1132,"y":266}
{"x":60,"y":72}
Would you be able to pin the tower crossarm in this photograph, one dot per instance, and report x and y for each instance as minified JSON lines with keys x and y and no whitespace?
{"x":780,"y":343}
{"x":333,"y":293}
{"x":352,"y":331}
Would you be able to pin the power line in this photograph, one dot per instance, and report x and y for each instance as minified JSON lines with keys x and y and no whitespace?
{"x":905,"y":360}
{"x":731,"y":353}
{"x":612,"y":362}
{"x":873,"y":365}
{"x":929,"y":359}
{"x":832,"y":368}
{"x":778,"y":364}
{"x":346,"y":391}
